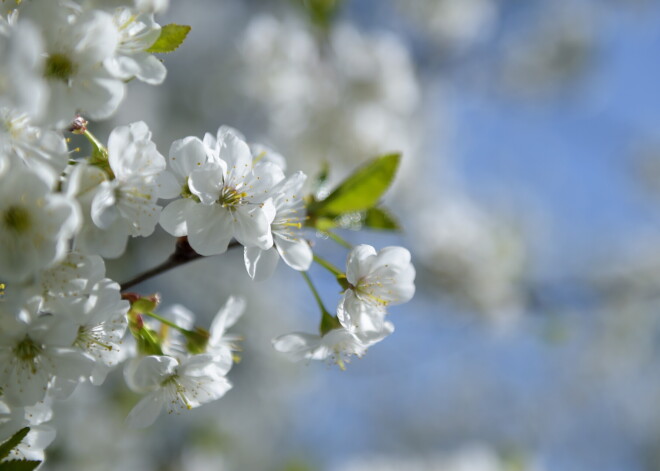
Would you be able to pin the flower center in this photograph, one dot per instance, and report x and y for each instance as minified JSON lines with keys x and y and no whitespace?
{"x":176,"y":389}
{"x":87,"y":339}
{"x":369,"y":290}
{"x":17,"y":219}
{"x":27,"y":352}
{"x":231,"y":197}
{"x":59,"y":67}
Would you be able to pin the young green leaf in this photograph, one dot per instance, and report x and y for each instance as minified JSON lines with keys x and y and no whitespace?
{"x":12,"y":442}
{"x":19,"y":465}
{"x":322,"y":12}
{"x":362,"y":190}
{"x":171,"y":37}
{"x":322,"y":176}
{"x":378,"y":218}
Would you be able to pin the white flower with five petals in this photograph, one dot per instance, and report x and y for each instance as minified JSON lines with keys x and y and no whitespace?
{"x":376,"y":280}
{"x":230,"y":197}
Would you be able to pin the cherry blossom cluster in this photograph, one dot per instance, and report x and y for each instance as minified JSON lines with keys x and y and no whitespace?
{"x":62,"y":320}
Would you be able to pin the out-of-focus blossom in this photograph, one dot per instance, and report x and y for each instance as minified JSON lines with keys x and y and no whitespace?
{"x":35,"y":224}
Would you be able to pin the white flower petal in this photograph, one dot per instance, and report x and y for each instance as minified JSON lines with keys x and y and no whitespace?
{"x":252,"y":227}
{"x":295,"y":253}
{"x":186,"y":155}
{"x":173,"y":216}
{"x":358,"y":262}
{"x":147,"y":373}
{"x":260,"y":264}
{"x":210,"y":229}
{"x":146,"y":411}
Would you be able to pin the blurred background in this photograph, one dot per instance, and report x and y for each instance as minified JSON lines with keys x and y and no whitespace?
{"x":529,"y":194}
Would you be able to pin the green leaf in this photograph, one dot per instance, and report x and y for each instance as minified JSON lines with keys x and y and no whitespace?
{"x":12,"y":442}
{"x":322,"y":176}
{"x":328,"y":323}
{"x":171,"y":37}
{"x":322,"y":12}
{"x":378,"y":218}
{"x":362,"y":190}
{"x":324,"y":224}
{"x":19,"y":465}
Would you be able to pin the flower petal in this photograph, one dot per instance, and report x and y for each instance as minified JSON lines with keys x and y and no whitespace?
{"x":260,"y":264}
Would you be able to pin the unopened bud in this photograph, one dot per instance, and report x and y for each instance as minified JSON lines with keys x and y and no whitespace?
{"x":130,"y":297}
{"x":79,"y":125}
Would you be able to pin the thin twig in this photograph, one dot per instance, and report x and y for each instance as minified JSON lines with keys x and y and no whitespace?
{"x":183,"y":253}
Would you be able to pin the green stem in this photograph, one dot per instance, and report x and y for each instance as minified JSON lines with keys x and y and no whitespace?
{"x":95,"y":142}
{"x":324,"y":311}
{"x":167,"y":322}
{"x":341,"y":241}
{"x":328,"y":266}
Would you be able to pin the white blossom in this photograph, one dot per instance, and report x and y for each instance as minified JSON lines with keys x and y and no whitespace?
{"x":36,"y":355}
{"x":230,"y":197}
{"x":14,"y":418}
{"x":22,"y":86}
{"x":376,"y":280}
{"x":123,"y":204}
{"x":287,"y":232}
{"x":185,"y":156}
{"x":336,"y":346}
{"x":152,"y":6}
{"x":173,"y":384}
{"x":73,"y":276}
{"x":43,"y":150}
{"x":137,"y":32}
{"x":100,"y":316}
{"x":77,"y":43}
{"x":35,"y":224}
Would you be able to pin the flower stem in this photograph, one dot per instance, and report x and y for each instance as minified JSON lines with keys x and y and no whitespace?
{"x":162,"y":320}
{"x":98,"y":147}
{"x":317,"y":297}
{"x":340,"y":240}
{"x":328,"y":266}
{"x":183,"y":253}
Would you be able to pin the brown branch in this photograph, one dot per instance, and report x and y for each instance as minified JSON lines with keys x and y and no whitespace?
{"x":183,"y":253}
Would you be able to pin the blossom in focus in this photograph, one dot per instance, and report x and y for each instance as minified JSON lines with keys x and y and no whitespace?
{"x":123,"y":203}
{"x":230,"y":195}
{"x":375,"y":280}
{"x":288,"y":241}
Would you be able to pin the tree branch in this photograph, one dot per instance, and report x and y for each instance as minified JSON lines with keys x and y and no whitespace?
{"x":183,"y":253}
